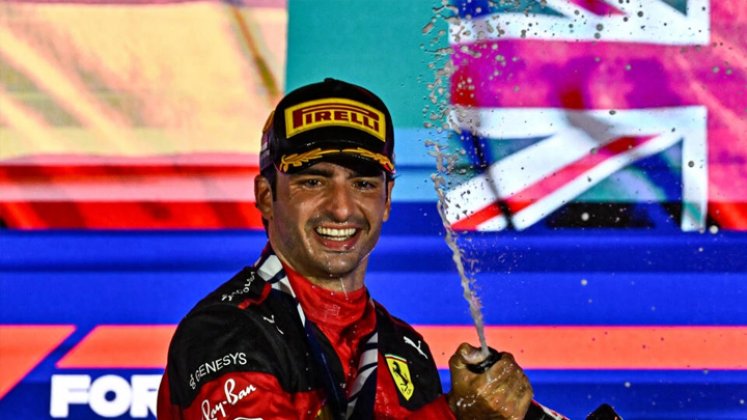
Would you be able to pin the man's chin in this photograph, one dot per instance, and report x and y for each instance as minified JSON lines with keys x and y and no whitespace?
{"x":337,"y":272}
{"x":334,"y":268}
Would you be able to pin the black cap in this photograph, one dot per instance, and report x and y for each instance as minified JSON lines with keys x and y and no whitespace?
{"x":328,"y":120}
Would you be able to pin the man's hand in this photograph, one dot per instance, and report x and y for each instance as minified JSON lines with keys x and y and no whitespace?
{"x":501,"y":392}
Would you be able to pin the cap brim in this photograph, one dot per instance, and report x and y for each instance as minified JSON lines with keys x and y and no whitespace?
{"x":349,"y":157}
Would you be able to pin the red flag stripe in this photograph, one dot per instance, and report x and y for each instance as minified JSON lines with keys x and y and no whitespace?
{"x":729,"y":215}
{"x":598,"y":7}
{"x":548,"y":185}
{"x":127,"y":183}
{"x":130,"y":215}
{"x":477,"y":218}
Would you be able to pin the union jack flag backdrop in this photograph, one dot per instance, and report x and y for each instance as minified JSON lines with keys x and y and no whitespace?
{"x":600,"y":113}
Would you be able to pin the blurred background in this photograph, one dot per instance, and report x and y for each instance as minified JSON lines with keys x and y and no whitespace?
{"x":594,"y":158}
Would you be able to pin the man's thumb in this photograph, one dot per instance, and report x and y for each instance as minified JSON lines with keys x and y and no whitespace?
{"x":465,"y":355}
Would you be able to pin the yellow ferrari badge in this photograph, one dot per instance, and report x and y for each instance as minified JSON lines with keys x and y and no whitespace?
{"x":401,"y":375}
{"x":325,"y":413}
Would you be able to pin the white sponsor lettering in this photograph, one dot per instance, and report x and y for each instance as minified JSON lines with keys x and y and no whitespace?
{"x":232,"y":397}
{"x":240,"y":291}
{"x":417,"y":347}
{"x":238,"y":358}
{"x":271,"y":320}
{"x":107,"y":396}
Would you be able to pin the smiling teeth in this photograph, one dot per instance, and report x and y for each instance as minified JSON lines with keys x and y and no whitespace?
{"x":337,"y":234}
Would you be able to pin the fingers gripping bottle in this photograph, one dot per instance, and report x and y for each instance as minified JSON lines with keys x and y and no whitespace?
{"x":536,"y":410}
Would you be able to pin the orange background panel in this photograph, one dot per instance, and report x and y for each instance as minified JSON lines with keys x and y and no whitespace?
{"x":602,"y":347}
{"x":121,"y":346}
{"x":535,"y":347}
{"x":22,"y":347}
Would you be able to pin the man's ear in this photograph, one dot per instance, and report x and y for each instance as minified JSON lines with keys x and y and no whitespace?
{"x":388,"y":208}
{"x":263,"y":196}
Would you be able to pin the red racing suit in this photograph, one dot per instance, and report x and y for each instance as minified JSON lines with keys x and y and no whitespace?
{"x":268,"y":344}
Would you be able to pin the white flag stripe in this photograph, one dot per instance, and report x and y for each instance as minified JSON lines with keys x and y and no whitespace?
{"x":369,"y":356}
{"x":572,"y":135}
{"x":540,"y":160}
{"x":658,"y":23}
{"x":469,"y":197}
{"x":363,"y":375}
{"x":500,"y":123}
{"x":351,"y":407}
{"x":597,"y":127}
{"x":526,"y":167}
{"x":514,"y":123}
{"x":494,"y":224}
{"x":269,"y":268}
{"x":695,"y":173}
{"x":568,"y":192}
{"x":284,"y":286}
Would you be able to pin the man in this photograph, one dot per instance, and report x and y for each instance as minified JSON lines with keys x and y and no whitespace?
{"x":297,"y":335}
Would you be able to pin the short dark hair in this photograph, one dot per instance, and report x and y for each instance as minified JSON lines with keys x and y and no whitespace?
{"x":271,"y":175}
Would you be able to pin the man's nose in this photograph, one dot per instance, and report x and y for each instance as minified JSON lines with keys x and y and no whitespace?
{"x":340,"y":203}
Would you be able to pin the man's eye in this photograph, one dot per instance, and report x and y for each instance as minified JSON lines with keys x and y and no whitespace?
{"x":365,"y":185}
{"x":312,"y":182}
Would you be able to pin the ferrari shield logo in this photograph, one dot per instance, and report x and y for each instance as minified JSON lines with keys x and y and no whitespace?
{"x":401,"y":374}
{"x":325,"y":413}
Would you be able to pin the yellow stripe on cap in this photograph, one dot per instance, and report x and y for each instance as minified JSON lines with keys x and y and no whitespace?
{"x":338,"y":112}
{"x":298,"y":159}
{"x":383,"y":160}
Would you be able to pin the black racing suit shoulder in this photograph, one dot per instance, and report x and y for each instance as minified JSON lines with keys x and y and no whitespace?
{"x":400,"y":340}
{"x":242,"y":326}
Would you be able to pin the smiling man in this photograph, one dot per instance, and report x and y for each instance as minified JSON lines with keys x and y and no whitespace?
{"x":297,"y":335}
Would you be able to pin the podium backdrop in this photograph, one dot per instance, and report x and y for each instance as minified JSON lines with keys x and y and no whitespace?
{"x":597,"y":182}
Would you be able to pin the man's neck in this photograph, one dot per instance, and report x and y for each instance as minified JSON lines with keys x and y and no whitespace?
{"x":341,"y":284}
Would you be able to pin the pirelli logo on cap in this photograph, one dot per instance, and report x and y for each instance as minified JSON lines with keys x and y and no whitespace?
{"x":334,"y":112}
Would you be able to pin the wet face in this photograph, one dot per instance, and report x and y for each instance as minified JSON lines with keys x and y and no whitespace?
{"x":325,"y":220}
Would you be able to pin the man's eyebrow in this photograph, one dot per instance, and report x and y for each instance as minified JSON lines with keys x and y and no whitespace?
{"x":367,"y":173}
{"x":315,"y":172}
{"x":363,"y":173}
